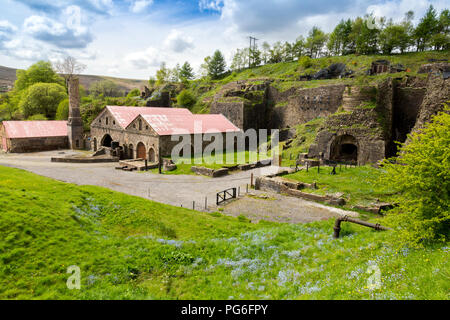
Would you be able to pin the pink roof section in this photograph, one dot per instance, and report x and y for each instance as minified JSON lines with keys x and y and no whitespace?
{"x":125,"y":115}
{"x":165,"y":125}
{"x":35,"y":129}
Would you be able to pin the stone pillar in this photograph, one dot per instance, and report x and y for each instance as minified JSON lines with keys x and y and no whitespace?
{"x":74,"y":123}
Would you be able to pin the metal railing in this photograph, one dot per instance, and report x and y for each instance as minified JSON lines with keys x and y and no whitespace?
{"x":226,"y":195}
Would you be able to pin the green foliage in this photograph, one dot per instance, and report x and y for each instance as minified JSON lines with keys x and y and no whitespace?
{"x":186,"y":99}
{"x":62,"y":113}
{"x":37,"y":117}
{"x":315,"y":42}
{"x":216,"y":65}
{"x":421,"y":175}
{"x":305,"y":62}
{"x":41,"y":71}
{"x":131,"y":248}
{"x":186,"y":71}
{"x":134,"y":93}
{"x":106,"y":88}
{"x":42,"y":98}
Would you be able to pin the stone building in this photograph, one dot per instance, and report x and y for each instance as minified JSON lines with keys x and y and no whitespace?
{"x":143,"y":132}
{"x":32,"y":136}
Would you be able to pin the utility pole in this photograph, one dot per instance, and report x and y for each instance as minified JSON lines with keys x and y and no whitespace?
{"x":252,"y":47}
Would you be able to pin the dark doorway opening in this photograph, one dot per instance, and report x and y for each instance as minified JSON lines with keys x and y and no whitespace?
{"x":106,"y":141}
{"x":344,"y":148}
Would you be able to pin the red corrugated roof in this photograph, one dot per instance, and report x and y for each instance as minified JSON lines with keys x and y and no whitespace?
{"x":172,"y":124}
{"x":125,"y":115}
{"x":35,"y":129}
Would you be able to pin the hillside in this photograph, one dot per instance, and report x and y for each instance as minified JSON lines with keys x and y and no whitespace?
{"x":8,"y":76}
{"x":131,"y":248}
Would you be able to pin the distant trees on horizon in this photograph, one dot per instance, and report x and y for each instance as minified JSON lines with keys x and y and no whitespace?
{"x":363,"y":35}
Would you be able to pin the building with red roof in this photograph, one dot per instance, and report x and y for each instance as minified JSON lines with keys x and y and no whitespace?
{"x":140,"y":132}
{"x":29,"y":136}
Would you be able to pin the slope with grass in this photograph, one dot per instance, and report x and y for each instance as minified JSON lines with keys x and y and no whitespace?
{"x":132,"y":248}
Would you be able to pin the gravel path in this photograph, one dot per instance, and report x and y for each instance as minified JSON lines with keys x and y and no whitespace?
{"x":175,"y":190}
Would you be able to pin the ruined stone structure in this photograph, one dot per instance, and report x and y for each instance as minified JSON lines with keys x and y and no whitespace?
{"x":145,"y":133}
{"x":362,"y":122}
{"x":74,"y":123}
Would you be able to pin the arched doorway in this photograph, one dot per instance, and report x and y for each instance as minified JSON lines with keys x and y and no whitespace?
{"x":95,"y":144}
{"x":344,"y":148}
{"x":131,"y":152}
{"x":141,"y":151}
{"x":106,"y":141}
{"x":151,"y":155}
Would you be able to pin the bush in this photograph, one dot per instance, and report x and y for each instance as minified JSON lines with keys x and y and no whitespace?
{"x":62,"y":113}
{"x":134,"y":93}
{"x":305,"y":62}
{"x":421,"y":175}
{"x":37,"y":117}
{"x":42,"y":98}
{"x":186,"y":99}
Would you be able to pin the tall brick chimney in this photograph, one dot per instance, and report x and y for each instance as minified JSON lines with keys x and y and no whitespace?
{"x":74,"y":123}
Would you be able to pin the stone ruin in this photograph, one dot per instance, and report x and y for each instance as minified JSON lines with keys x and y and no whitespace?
{"x":362,"y":122}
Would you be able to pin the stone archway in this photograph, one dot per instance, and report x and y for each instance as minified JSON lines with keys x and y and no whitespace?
{"x":141,"y":152}
{"x":344,"y":148}
{"x":106,"y":141}
{"x":151,"y":155}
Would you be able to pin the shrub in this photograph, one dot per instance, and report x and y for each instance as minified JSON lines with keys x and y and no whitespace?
{"x":421,"y":175}
{"x":305,"y":62}
{"x":186,"y":99}
{"x":62,"y":113}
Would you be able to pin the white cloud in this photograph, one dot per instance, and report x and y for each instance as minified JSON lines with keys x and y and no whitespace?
{"x":397,"y":9}
{"x":144,"y":59}
{"x":56,"y":33}
{"x":140,"y":5}
{"x":178,"y":42}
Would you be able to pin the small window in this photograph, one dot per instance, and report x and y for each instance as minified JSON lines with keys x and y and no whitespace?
{"x":146,"y":127}
{"x":134,"y":125}
{"x":107,"y":120}
{"x":140,"y":124}
{"x":99,"y":120}
{"x":114,"y":122}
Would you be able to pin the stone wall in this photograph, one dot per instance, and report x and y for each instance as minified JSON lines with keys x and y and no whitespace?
{"x":37,"y":144}
{"x":304,"y":105}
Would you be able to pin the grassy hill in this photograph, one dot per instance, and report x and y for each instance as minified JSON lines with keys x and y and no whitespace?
{"x":8,"y":76}
{"x":131,"y":248}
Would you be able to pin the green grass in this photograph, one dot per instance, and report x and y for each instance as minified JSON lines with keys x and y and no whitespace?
{"x":359,"y":184}
{"x":306,"y":134}
{"x":132,"y":248}
{"x":236,"y":158}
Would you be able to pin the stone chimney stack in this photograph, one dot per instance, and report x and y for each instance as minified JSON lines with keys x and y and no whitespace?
{"x":74,"y":123}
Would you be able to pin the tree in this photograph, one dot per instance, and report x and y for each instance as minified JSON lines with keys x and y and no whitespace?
{"x":254,"y":56}
{"x":426,"y":29}
{"x":441,"y":39}
{"x":240,"y":60}
{"x":163,"y":74}
{"x":339,"y":39}
{"x":421,"y":177}
{"x":69,"y":68}
{"x":276,"y":53}
{"x":265,"y":53}
{"x":394,"y":36}
{"x":62,"y":112}
{"x":217,"y":65}
{"x":298,"y":49}
{"x":186,"y":99}
{"x":106,"y":88}
{"x":186,"y":71}
{"x":41,"y":71}
{"x":315,"y":42}
{"x":365,"y":35}
{"x":134,"y":93}
{"x":42,"y":98}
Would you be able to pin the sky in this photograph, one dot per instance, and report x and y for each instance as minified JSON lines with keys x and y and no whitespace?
{"x":130,"y":38}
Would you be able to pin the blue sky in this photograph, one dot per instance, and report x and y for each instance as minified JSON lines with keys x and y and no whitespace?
{"x":130,"y":38}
